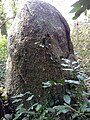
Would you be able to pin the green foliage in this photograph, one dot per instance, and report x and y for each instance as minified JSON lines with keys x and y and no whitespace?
{"x":3,"y":48}
{"x":67,"y":99}
{"x":76,"y":104}
{"x":79,"y":7}
{"x":35,"y":111}
{"x":3,"y":57}
{"x":80,"y":38}
{"x":2,"y":14}
{"x":76,"y":100}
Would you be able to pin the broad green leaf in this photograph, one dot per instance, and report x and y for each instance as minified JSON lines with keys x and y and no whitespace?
{"x":83,"y":107}
{"x":78,"y":3}
{"x":74,"y":62}
{"x":17,"y":116}
{"x":81,"y":3}
{"x":21,"y":110}
{"x":75,"y":115}
{"x":59,"y":107}
{"x":75,"y":9}
{"x":65,"y":65}
{"x":77,"y":67}
{"x":30,"y":112}
{"x":52,"y":102}
{"x":80,"y":7}
{"x":27,"y":93}
{"x":67,"y":99}
{"x":78,"y":13}
{"x":66,"y":60}
{"x":62,"y":82}
{"x":30,"y":98}
{"x":31,"y":108}
{"x":51,"y":110}
{"x":52,"y":82}
{"x":72,"y":82}
{"x":82,"y":76}
{"x":46,"y":84}
{"x":17,"y":100}
{"x":67,"y":69}
{"x":86,"y":110}
{"x":39,"y":106}
{"x":8,"y":116}
{"x":63,"y":111}
{"x":19,"y":107}
{"x":17,"y":96}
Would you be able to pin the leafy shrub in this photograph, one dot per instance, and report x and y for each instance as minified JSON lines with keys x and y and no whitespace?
{"x":76,"y":104}
{"x":77,"y":97}
{"x":3,"y":56}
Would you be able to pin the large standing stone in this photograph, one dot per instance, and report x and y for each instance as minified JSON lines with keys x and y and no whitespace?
{"x":39,"y":38}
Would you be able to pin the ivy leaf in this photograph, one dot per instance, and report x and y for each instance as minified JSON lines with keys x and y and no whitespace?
{"x":67,"y":99}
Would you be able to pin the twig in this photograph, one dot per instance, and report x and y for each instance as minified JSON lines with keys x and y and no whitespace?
{"x":6,"y":21}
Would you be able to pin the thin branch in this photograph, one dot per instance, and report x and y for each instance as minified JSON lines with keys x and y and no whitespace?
{"x":6,"y":21}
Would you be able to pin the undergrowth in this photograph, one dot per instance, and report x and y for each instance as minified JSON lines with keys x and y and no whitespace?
{"x":76,"y":99}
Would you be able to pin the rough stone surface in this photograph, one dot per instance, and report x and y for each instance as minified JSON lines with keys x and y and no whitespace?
{"x":39,"y":38}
